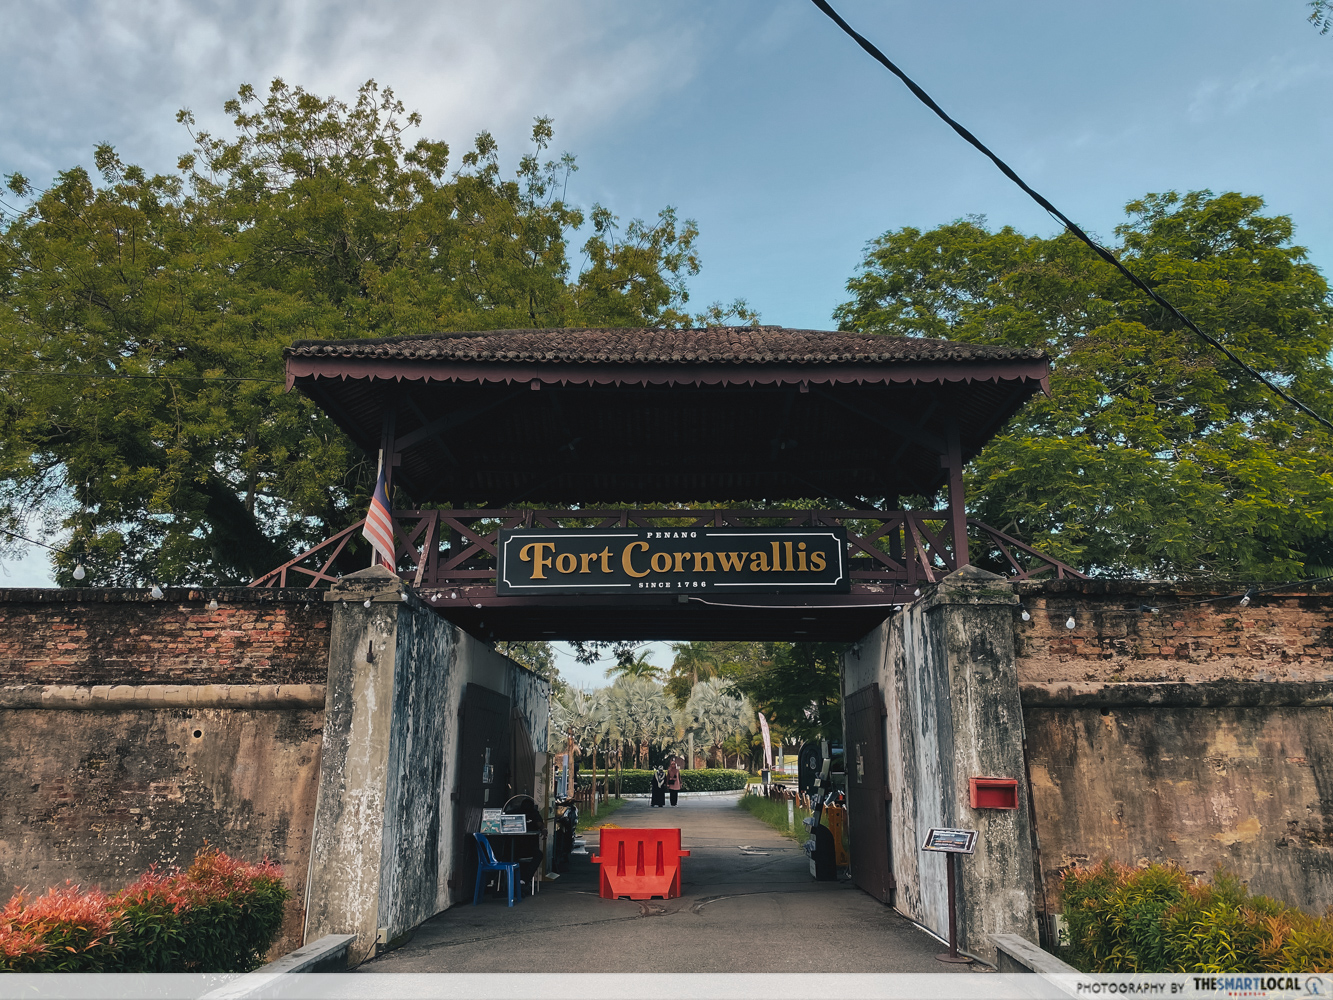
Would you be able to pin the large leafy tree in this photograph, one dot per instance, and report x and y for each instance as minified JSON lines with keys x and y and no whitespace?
{"x":1154,"y":455}
{"x":797,"y":685}
{"x":146,"y":316}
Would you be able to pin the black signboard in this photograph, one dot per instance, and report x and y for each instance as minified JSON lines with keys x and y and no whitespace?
{"x":673,"y":560}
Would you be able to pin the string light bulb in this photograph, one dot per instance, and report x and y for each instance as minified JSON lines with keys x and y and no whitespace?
{"x":404,"y":596}
{"x":1026,"y":616}
{"x":156,"y":592}
{"x":917,"y":592}
{"x":79,"y":571}
{"x":367,"y":604}
{"x":213,"y":604}
{"x":1070,"y":623}
{"x":1245,"y":601}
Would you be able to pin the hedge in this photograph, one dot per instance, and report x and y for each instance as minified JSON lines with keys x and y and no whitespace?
{"x":219,"y":915}
{"x":705,"y":779}
{"x":1160,"y":919}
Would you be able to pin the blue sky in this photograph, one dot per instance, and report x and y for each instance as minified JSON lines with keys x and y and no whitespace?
{"x":757,"y":118}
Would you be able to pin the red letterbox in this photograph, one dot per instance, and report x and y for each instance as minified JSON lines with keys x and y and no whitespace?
{"x":993,"y":793}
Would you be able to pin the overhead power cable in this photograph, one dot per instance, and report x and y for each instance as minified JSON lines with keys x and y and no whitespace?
{"x":1064,"y":220}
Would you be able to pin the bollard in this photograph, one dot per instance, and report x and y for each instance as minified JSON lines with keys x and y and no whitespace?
{"x":791,"y":814}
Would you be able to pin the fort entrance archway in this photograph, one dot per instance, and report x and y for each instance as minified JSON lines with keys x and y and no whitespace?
{"x":515,"y":457}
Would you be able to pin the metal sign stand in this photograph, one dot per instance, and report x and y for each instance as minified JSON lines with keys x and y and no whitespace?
{"x":950,"y":843}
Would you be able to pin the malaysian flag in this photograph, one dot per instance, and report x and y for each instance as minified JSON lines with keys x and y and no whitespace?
{"x":379,"y":523}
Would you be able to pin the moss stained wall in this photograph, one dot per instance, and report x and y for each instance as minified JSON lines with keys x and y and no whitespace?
{"x":1200,"y":734}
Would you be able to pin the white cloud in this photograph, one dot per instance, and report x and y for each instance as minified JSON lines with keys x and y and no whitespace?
{"x":78,"y":73}
{"x":1222,"y":98}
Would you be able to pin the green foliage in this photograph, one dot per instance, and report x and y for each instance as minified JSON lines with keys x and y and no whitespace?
{"x":587,"y":821}
{"x":1321,"y":15}
{"x":704,"y":779}
{"x":219,"y":915}
{"x":184,"y":460}
{"x":1159,"y":919}
{"x":798,"y":687}
{"x":1153,"y":456}
{"x":774,"y":813}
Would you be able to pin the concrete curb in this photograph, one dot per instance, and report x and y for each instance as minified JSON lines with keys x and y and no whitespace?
{"x":738,"y":792}
{"x":116,"y":697}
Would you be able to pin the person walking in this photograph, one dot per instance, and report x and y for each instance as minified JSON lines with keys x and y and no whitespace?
{"x":659,"y":786}
{"x":673,"y":782}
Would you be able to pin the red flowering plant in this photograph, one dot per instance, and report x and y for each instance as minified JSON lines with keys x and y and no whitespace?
{"x":218,"y":915}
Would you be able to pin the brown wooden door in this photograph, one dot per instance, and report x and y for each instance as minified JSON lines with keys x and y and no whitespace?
{"x":868,"y":798}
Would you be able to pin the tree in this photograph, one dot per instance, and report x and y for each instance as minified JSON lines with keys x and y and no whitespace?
{"x":798,"y":686}
{"x":1321,"y":15}
{"x":641,"y":666}
{"x":147,"y":316}
{"x":580,"y":717}
{"x":717,"y":715}
{"x":1154,"y":455}
{"x":641,"y":714}
{"x":699,"y":661}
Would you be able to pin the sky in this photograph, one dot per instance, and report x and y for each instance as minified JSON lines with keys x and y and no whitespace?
{"x":757,"y":118}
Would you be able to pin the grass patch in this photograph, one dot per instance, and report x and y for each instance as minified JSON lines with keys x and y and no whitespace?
{"x":774,"y":813}
{"x":604,"y":809}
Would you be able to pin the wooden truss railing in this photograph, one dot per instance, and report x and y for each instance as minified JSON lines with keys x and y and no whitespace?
{"x":457,"y":548}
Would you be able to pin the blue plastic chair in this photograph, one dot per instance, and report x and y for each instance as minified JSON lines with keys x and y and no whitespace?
{"x":486,"y":863}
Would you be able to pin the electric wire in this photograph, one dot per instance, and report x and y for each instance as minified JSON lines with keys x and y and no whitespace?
{"x":1063,"y":219}
{"x":33,"y":541}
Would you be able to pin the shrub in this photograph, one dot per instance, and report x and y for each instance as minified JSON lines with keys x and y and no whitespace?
{"x":636,"y":782}
{"x":219,"y":915}
{"x":1160,"y":919}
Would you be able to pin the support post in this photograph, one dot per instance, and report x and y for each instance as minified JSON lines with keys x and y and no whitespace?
{"x":952,"y":955}
{"x":953,"y":461}
{"x":387,"y":454}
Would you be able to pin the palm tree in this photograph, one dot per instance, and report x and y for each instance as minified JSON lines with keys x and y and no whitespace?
{"x":716,"y":715}
{"x":641,"y":714}
{"x":695,"y":659}
{"x":640,"y":666}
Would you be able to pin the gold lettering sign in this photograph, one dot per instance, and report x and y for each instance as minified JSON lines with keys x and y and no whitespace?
{"x":672,"y":560}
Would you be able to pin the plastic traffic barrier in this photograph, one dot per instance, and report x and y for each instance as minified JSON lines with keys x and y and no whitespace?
{"x":639,"y":864}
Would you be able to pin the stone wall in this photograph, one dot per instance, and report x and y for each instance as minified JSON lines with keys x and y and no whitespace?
{"x":383,"y":850}
{"x":133,"y":731}
{"x":1200,"y":733}
{"x":946,"y":668}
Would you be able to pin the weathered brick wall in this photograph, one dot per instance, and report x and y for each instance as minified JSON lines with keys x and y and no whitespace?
{"x":1285,"y":636}
{"x":1201,"y":734}
{"x":132,"y":730}
{"x":89,"y":636}
{"x":97,"y":796}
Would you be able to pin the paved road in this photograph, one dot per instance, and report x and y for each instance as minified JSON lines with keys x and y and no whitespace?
{"x":736,"y":913}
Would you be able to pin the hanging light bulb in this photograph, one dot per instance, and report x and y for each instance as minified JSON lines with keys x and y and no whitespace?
{"x":917,"y":592}
{"x":79,"y":571}
{"x":367,"y":604}
{"x":1245,"y":601}
{"x":404,"y":596}
{"x":156,"y":592}
{"x":213,"y":604}
{"x":1026,"y":617}
{"x":1069,"y":622}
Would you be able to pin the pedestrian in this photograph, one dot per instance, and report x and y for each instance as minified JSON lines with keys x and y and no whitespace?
{"x":673,"y":779}
{"x":659,"y":786}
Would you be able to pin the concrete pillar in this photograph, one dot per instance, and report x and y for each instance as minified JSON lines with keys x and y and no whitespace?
{"x":384,"y":849}
{"x":946,"y":666}
{"x":378,"y":854}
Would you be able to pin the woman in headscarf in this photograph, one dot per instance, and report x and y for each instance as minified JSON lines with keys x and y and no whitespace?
{"x":673,"y":779}
{"x":659,"y":786}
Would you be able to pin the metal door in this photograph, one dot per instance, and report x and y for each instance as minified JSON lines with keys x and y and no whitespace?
{"x":483,"y":777}
{"x":868,"y":797}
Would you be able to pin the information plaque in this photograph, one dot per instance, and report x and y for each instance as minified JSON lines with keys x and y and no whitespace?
{"x":951,"y":841}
